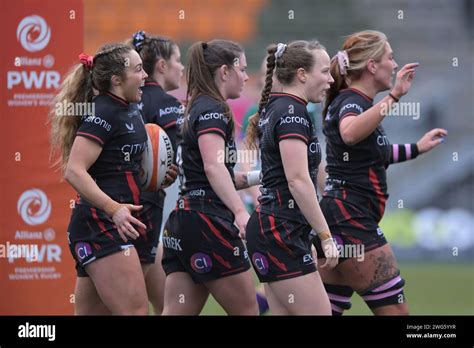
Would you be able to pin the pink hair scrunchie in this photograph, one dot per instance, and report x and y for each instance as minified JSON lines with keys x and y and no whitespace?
{"x":86,"y":60}
{"x":343,"y":61}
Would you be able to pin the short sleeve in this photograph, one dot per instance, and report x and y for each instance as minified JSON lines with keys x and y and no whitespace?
{"x":350,"y":107}
{"x":169,"y":114}
{"x":293,"y":127}
{"x":98,"y":128}
{"x":212,"y":122}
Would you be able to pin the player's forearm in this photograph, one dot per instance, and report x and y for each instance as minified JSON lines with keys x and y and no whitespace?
{"x":304,"y":193}
{"x":221,"y":183}
{"x":87,"y":188}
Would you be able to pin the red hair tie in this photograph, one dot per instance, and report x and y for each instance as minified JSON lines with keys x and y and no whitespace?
{"x":86,"y":60}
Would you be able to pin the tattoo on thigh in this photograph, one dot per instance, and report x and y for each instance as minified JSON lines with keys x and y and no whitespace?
{"x":385,"y":267}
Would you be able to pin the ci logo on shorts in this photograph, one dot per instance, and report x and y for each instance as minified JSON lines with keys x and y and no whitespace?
{"x":83,"y":250}
{"x":260,"y":262}
{"x":201,"y":263}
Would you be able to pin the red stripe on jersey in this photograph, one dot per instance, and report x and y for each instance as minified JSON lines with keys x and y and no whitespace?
{"x":100,"y":223}
{"x":277,"y":236}
{"x":122,"y":101}
{"x":136,"y":200}
{"x":132,"y":185}
{"x":279,"y":198}
{"x":277,"y":262}
{"x":233,"y":270}
{"x":260,"y":222}
{"x":210,"y":130}
{"x":151,"y":83}
{"x":168,"y":125}
{"x":380,"y":196}
{"x":215,"y":231}
{"x":186,"y":204}
{"x":288,"y":274}
{"x":294,"y":135}
{"x":221,"y":260}
{"x":343,"y":117}
{"x":348,"y":114}
{"x":348,"y":216}
{"x":91,"y":136}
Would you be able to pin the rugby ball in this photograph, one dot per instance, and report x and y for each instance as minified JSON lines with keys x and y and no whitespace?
{"x":156,"y":159}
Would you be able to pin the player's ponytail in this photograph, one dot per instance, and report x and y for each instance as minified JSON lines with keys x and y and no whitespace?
{"x":92,"y":76}
{"x":252,"y":128}
{"x":339,"y":82}
{"x":76,"y":88}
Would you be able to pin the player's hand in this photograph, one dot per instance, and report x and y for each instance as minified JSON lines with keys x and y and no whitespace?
{"x":330,"y":252}
{"x":241,"y":220}
{"x":404,"y":79}
{"x":171,"y":176}
{"x":123,"y":219}
{"x":431,"y":139}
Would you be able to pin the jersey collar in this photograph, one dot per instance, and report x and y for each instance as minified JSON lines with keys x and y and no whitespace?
{"x":117,"y":99}
{"x":363,"y":95}
{"x":152,"y":83}
{"x":281,"y":94}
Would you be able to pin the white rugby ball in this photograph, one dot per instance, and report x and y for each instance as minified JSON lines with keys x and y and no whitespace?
{"x":156,"y":159}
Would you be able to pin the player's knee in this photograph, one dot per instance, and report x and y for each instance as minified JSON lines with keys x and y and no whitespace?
{"x":386,"y":294}
{"x":137,"y":307}
{"x":247,"y":306}
{"x":340,"y":298}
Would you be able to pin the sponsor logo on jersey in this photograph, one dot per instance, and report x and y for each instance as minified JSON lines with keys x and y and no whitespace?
{"x":213,"y":116}
{"x":382,"y":140}
{"x":172,"y":110}
{"x":294,"y":119}
{"x":314,"y":147}
{"x":133,"y":149}
{"x":351,"y":106}
{"x":130,"y":127}
{"x":197,"y":193}
{"x":98,"y":121}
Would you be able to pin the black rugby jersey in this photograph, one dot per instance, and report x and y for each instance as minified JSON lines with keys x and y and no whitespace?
{"x":117,"y":126}
{"x":360,"y":167}
{"x":206,"y":115}
{"x":284,"y":117}
{"x":163,"y":109}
